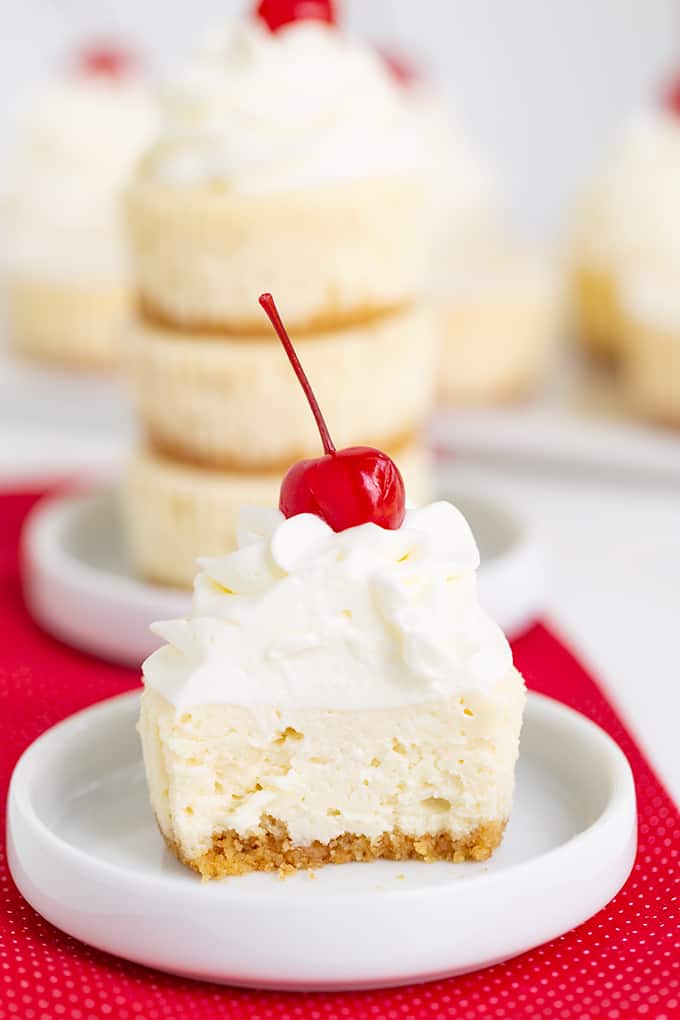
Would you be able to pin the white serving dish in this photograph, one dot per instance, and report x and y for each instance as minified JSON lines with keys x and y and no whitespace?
{"x":85,"y":852}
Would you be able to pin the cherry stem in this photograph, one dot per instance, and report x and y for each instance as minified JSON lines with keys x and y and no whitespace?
{"x":267,"y":302}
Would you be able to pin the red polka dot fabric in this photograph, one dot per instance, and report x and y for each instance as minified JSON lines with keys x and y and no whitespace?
{"x":623,"y":963}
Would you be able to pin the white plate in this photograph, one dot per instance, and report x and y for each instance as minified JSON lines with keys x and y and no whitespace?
{"x":577,"y":421}
{"x":85,"y":852}
{"x":80,"y":587}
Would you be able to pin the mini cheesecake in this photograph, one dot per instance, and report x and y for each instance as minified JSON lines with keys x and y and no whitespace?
{"x":65,"y":273}
{"x":198,"y":249}
{"x":500,"y":317}
{"x":211,"y":402}
{"x":175,"y":512}
{"x":650,"y":323}
{"x":333,"y":697}
{"x":288,"y":158}
{"x":626,"y":221}
{"x":66,"y":323}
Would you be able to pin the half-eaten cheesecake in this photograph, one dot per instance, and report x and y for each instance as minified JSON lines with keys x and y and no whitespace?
{"x":335,"y":696}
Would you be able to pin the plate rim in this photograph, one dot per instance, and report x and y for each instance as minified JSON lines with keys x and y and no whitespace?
{"x":622,"y":789}
{"x":49,"y":517}
{"x":534,"y":887}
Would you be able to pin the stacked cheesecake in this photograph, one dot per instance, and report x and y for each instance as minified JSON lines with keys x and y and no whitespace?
{"x":287,"y":165}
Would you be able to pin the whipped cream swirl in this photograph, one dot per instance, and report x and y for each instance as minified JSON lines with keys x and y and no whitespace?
{"x":261,"y":111}
{"x":632,"y":208}
{"x":77,"y":142}
{"x":303,"y":616}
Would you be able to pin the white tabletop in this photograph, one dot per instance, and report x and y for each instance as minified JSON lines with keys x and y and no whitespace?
{"x":614,"y":545}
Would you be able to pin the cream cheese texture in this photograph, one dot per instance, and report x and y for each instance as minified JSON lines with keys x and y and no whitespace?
{"x":302,"y":616}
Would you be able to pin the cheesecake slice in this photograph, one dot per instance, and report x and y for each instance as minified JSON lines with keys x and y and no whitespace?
{"x":334,"y":697}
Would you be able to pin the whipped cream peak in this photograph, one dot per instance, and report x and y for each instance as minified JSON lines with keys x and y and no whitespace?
{"x":364,"y":618}
{"x":632,"y":208}
{"x":233,"y":60}
{"x":262,"y":111}
{"x":78,"y":139}
{"x":244,"y":70}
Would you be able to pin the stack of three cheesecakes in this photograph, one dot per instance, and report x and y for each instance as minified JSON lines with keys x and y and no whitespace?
{"x":243,"y":194}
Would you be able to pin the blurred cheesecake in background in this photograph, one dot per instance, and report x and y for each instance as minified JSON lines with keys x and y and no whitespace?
{"x":626,"y":259}
{"x":497,"y":299}
{"x":66,"y":281}
{"x":611,"y":222}
{"x":289,"y":162}
{"x":650,"y":333}
{"x":501,"y":315}
{"x":631,"y":207}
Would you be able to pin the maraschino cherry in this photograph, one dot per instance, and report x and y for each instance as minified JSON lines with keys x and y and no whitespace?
{"x":106,"y":61}
{"x":359,"y":485}
{"x":277,"y":13}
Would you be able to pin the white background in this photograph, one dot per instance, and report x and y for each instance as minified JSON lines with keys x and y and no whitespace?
{"x":541,"y":83}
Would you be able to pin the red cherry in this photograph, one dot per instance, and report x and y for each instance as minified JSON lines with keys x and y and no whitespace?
{"x":346,"y":488}
{"x":671,"y":97}
{"x":359,"y":485}
{"x":106,"y":61}
{"x":277,"y":13}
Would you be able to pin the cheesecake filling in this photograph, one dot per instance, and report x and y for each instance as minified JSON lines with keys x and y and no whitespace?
{"x":415,"y":769}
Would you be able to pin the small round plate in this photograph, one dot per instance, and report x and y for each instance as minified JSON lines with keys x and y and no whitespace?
{"x":85,"y":852}
{"x":578,"y":421}
{"x":80,"y":587}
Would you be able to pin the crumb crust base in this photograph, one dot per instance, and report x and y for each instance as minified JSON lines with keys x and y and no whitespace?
{"x":272,"y":849}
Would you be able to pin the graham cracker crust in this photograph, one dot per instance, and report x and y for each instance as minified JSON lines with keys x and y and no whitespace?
{"x":273,"y":851}
{"x":332,"y":321}
{"x":168,"y":450}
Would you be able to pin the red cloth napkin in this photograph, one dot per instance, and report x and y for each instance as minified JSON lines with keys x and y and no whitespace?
{"x":623,"y":963}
